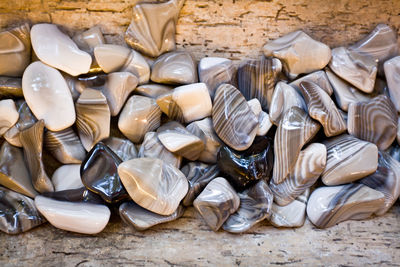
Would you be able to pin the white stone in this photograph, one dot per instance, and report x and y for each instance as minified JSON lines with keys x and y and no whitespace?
{"x":392,"y":74}
{"x":67,"y":177}
{"x":255,"y":106}
{"x":264,"y":124}
{"x":8,"y":115}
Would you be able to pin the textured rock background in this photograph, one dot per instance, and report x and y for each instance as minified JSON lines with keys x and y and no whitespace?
{"x":234,"y":29}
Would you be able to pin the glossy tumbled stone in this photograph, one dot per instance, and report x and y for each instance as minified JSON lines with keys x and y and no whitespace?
{"x":79,"y":217}
{"x":217,"y":202}
{"x":10,"y":87}
{"x":214,"y":71}
{"x":67,"y":177}
{"x":257,"y":78}
{"x":142,"y":219}
{"x":198,"y":175}
{"x":328,"y":206}
{"x":99,"y":173}
{"x":245,"y":168}
{"x":374,"y":121}
{"x":13,"y":171}
{"x":89,"y":39}
{"x":174,"y":68}
{"x":392,"y":74}
{"x":322,"y":108}
{"x":57,"y":49}
{"x":17,"y":212}
{"x":124,"y":148}
{"x":348,"y":159}
{"x":255,"y":206}
{"x":180,"y":141}
{"x":153,"y":90}
{"x":294,"y":131}
{"x":32,"y":142}
{"x":93,"y":118}
{"x":318,"y":77}
{"x":309,"y":166}
{"x":48,"y":96}
{"x":186,"y":103}
{"x":153,"y":148}
{"x":357,"y":69}
{"x":81,"y":194}
{"x":299,"y":53}
{"x":152,"y":29}
{"x":140,"y":115}
{"x":8,"y":115}
{"x":233,"y":120}
{"x":15,"y":49}
{"x":153,"y":184}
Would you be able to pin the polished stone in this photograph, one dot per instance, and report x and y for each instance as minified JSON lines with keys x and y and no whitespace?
{"x":392,"y":74}
{"x":81,"y":194}
{"x":10,"y":87}
{"x":124,"y":148}
{"x":8,"y":115}
{"x":264,"y":124}
{"x":89,"y":39}
{"x":318,"y":77}
{"x":67,"y":177}
{"x":153,"y":90}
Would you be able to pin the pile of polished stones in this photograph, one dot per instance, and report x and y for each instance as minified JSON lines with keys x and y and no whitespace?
{"x":242,"y":141}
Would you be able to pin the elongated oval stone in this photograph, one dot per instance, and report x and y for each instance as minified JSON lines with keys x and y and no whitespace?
{"x":152,"y":29}
{"x":392,"y":74}
{"x":15,"y":48}
{"x":255,"y":206}
{"x":10,"y":87}
{"x":217,"y":202}
{"x":374,"y":121}
{"x":299,"y":53}
{"x":318,"y":77}
{"x":8,"y":115}
{"x":81,"y":194}
{"x":180,"y":141}
{"x":348,"y":159}
{"x":99,"y":174}
{"x":18,"y":212}
{"x":233,"y":120}
{"x":257,"y":78}
{"x":294,"y":131}
{"x":65,"y":146}
{"x":76,"y":217}
{"x":67,"y":177}
{"x":140,"y":115}
{"x":32,"y":142}
{"x":174,"y":68}
{"x":124,"y":148}
{"x":25,"y":120}
{"x":328,"y":206}
{"x":153,"y":184}
{"x":244,"y":168}
{"x":57,"y":49}
{"x":358,"y":69}
{"x":142,"y":219}
{"x":309,"y":166}
{"x":13,"y":171}
{"x":322,"y":108}
{"x":198,"y":175}
{"x":93,"y":118}
{"x":48,"y":96}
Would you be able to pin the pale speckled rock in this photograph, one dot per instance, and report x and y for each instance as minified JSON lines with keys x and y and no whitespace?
{"x":330,"y":205}
{"x":93,"y":118}
{"x":124,"y":148}
{"x":255,"y":206}
{"x":142,"y":219}
{"x":392,"y":74}
{"x":299,"y":53}
{"x":284,"y":97}
{"x":177,"y":139}
{"x":217,"y":202}
{"x":214,"y":71}
{"x":153,"y":148}
{"x":174,"y":68}
{"x":318,"y":77}
{"x":153,"y":90}
{"x":291,"y":215}
{"x":79,"y":217}
{"x":357,"y":69}
{"x":309,"y":166}
{"x":152,"y":29}
{"x":8,"y":115}
{"x":186,"y":103}
{"x":322,"y":108}
{"x":348,"y":159}
{"x":25,"y":120}
{"x":153,"y":184}
{"x":56,"y":49}
{"x":374,"y":121}
{"x":67,"y":177}
{"x":13,"y":171}
{"x":344,"y":92}
{"x":48,"y":96}
{"x":113,"y":58}
{"x":140,"y":115}
{"x":205,"y":131}
{"x":16,"y":49}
